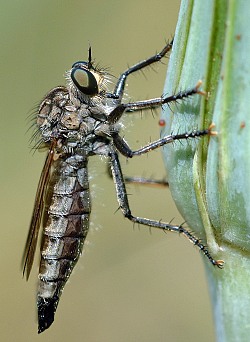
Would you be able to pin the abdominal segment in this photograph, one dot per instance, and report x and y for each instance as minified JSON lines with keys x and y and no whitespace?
{"x":66,"y":224}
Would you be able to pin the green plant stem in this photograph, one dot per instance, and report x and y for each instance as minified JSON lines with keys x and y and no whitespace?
{"x":210,"y":179}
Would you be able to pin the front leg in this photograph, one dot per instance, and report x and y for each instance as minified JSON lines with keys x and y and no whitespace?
{"x":119,"y":89}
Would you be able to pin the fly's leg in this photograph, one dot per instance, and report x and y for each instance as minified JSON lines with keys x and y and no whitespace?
{"x":160,"y":101}
{"x":124,"y":206}
{"x":119,"y":110}
{"x":161,"y":183}
{"x":124,"y":149}
{"x":119,"y":89}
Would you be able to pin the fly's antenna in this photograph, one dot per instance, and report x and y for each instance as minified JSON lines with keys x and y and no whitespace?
{"x":90,"y":58}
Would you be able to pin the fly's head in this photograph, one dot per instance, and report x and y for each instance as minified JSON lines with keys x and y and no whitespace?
{"x":79,"y":110}
{"x":87,"y":83}
{"x":86,"y":79}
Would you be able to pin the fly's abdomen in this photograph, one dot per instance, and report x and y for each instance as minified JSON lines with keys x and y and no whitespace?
{"x":66,"y":225}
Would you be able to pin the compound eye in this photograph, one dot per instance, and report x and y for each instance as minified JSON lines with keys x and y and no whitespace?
{"x":84,"y":80}
{"x":80,"y":64}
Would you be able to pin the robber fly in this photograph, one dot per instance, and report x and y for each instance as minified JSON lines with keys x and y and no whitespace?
{"x":75,"y":122}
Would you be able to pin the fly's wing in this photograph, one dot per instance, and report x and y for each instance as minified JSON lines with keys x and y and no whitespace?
{"x":35,"y":224}
{"x":49,"y":109}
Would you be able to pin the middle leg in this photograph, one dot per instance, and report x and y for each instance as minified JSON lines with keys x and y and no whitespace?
{"x":121,"y":108}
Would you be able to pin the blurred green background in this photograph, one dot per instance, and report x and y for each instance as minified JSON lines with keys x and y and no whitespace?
{"x":131,"y":284}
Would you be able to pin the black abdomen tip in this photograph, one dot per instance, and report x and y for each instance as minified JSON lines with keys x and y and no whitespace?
{"x":46,"y":312}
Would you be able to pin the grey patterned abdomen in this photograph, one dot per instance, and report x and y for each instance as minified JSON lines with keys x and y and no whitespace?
{"x":66,"y":226}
